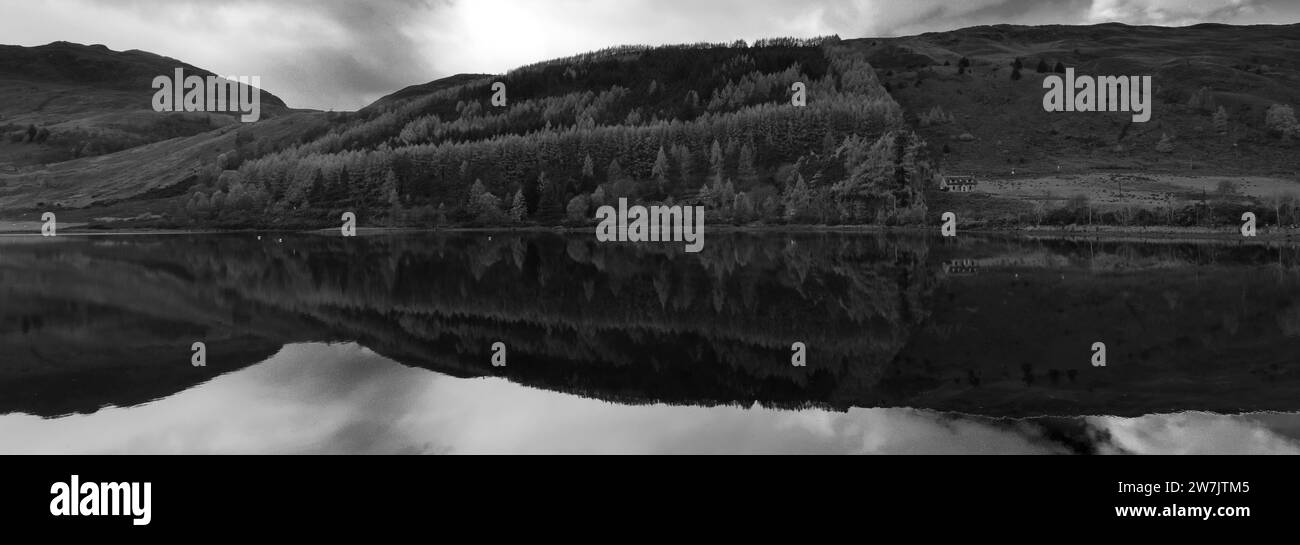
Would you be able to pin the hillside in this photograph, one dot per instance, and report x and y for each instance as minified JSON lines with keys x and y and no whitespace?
{"x":999,"y":131}
{"x":713,"y":124}
{"x":706,"y":123}
{"x":415,"y":91}
{"x":90,"y":101}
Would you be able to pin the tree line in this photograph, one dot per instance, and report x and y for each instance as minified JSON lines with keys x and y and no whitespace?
{"x":631,"y":124}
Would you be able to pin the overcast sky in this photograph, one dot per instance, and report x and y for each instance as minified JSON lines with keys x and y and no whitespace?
{"x":343,"y":54}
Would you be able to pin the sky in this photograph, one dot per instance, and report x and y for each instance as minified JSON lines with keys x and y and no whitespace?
{"x":343,"y":54}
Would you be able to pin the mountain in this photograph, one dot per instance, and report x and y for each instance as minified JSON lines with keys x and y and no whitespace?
{"x":100,"y":141}
{"x":414,"y":91}
{"x":91,"y":101}
{"x":707,"y":123}
{"x":714,"y":125}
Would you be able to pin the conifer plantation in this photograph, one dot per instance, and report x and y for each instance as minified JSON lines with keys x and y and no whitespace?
{"x":702,"y":124}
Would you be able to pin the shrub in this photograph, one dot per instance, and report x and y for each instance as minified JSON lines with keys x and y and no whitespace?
{"x":576,"y":211}
{"x":1280,"y":120}
{"x":1165,"y":145}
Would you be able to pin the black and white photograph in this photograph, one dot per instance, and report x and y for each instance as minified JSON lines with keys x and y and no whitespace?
{"x":595,"y":227}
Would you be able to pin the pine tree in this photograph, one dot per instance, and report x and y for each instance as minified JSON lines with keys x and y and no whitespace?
{"x":518,"y":210}
{"x":685,"y":164}
{"x":1042,"y":66}
{"x":660,"y":171}
{"x":730,"y":154}
{"x":797,"y":199}
{"x":316,"y":190}
{"x":588,"y":168}
{"x":743,"y":208}
{"x":726,"y":195}
{"x":1221,"y":120}
{"x":338,"y":189}
{"x":389,"y":192}
{"x":693,"y":100}
{"x":549,"y":199}
{"x":706,"y":196}
{"x":614,"y":173}
{"x":746,"y":170}
{"x":715,"y":162}
{"x":476,"y":192}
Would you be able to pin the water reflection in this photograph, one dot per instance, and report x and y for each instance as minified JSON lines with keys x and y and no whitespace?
{"x":1000,"y":328}
{"x":347,"y":399}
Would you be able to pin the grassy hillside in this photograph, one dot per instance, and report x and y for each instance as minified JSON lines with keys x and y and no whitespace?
{"x":85,"y":101}
{"x":996,"y":128}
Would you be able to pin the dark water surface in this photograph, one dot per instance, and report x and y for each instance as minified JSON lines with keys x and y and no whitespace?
{"x":383,"y":343}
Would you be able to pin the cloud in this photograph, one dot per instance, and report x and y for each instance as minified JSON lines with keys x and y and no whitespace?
{"x":343,"y":54}
{"x":346,"y":399}
{"x":1199,"y":433}
{"x":885,"y":18}
{"x":1188,"y":12}
{"x":317,"y":54}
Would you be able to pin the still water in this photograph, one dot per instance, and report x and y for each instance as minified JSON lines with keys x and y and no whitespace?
{"x":382,"y":344}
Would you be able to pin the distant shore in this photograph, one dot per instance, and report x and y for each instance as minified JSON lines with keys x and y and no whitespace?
{"x":1106,"y":232}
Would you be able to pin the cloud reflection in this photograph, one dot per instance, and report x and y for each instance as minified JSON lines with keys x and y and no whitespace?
{"x":344,"y":398}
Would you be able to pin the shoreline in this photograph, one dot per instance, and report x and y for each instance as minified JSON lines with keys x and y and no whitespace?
{"x":1098,"y":232}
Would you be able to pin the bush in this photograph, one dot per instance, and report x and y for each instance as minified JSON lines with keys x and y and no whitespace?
{"x":1280,"y":120}
{"x":1165,"y":145}
{"x":576,"y":211}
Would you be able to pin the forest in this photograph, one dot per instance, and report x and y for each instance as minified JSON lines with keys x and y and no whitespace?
{"x":700,"y":124}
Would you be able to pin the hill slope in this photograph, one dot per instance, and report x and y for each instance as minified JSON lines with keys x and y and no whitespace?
{"x":79,"y":130}
{"x":1033,"y":155}
{"x":90,"y":100}
{"x":713,"y":124}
